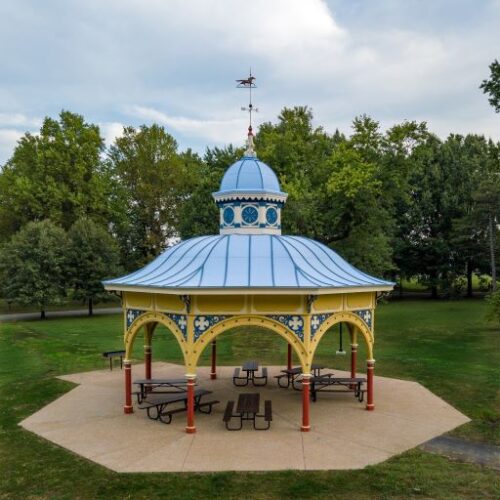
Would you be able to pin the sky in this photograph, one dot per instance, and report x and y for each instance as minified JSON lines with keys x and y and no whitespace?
{"x":175,"y":62}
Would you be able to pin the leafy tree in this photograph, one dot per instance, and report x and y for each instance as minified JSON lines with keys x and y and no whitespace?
{"x":56,"y":175}
{"x":153,"y":181}
{"x":491,"y":86}
{"x":92,"y":256}
{"x":33,"y":265}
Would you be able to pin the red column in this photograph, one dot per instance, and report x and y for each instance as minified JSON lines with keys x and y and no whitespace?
{"x":306,"y":401}
{"x":190,"y":428}
{"x":147,"y":361}
{"x":354,"y":356}
{"x":289,"y":357}
{"x":128,"y":408}
{"x":213,"y":373}
{"x":370,"y":366}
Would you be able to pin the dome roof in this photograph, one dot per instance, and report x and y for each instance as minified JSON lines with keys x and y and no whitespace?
{"x":249,"y":175}
{"x":249,"y":261}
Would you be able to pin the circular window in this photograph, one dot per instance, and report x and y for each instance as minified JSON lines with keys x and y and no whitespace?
{"x":271,"y":215}
{"x":228,"y":215}
{"x":249,"y":214}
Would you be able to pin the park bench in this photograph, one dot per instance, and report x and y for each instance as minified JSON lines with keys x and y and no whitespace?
{"x":114,"y":354}
{"x":237,"y":377}
{"x":328,"y":383}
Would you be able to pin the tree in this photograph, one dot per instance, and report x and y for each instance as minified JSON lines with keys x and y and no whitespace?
{"x":491,"y":86}
{"x":33,"y":265}
{"x":92,"y":256}
{"x":153,"y":181}
{"x":56,"y":175}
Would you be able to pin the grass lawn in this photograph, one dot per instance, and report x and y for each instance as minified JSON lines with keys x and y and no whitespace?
{"x":446,"y":346}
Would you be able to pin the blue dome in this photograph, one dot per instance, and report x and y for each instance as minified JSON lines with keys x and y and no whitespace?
{"x":249,"y":175}
{"x":250,"y":261}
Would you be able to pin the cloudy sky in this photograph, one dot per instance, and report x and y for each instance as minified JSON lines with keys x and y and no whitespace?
{"x":174,"y":62}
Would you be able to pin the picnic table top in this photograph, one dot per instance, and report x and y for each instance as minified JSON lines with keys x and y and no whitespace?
{"x":297,"y":369}
{"x":164,"y":381}
{"x":248,"y":402}
{"x":249,"y":366}
{"x":108,"y":354}
{"x":327,"y":380}
{"x":174,"y":397}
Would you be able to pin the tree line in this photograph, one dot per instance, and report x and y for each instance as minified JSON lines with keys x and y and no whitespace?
{"x":400,"y":203}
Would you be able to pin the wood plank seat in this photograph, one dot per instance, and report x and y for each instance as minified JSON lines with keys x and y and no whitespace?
{"x":328,"y":382}
{"x":228,"y":415}
{"x":268,"y":416}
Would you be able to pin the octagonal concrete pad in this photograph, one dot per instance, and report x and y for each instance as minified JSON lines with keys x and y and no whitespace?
{"x":89,"y":421}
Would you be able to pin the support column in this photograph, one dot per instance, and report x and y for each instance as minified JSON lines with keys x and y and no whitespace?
{"x":370,"y":367}
{"x":147,"y":361}
{"x":306,"y":401}
{"x":354,"y":356}
{"x":213,"y":373}
{"x":128,"y":408}
{"x":190,"y":427}
{"x":289,"y":357}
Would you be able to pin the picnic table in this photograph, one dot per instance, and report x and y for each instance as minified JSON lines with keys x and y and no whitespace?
{"x":248,"y":409}
{"x":329,"y":383}
{"x":160,"y":407}
{"x":114,"y":354}
{"x":294,"y":375}
{"x":250,"y":368}
{"x":150,"y":385}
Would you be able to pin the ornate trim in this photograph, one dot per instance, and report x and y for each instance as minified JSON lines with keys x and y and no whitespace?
{"x":203,"y":322}
{"x":366,"y":315}
{"x":132,"y":315}
{"x":181,"y":321}
{"x":292,"y":321}
{"x":316,"y":321}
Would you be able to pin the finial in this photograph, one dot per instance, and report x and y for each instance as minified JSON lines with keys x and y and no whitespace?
{"x":250,"y":151}
{"x":248,"y":83}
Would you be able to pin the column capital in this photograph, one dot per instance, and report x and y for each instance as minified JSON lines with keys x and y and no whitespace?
{"x":190,"y":376}
{"x":370,"y":362}
{"x":354,"y":346}
{"x":127,"y":363}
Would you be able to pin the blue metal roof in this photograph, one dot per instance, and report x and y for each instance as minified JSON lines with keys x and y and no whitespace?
{"x":249,"y":175}
{"x":248,"y":261}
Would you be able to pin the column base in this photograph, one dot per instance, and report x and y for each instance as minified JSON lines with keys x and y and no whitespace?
{"x":370,"y":407}
{"x":305,"y":428}
{"x":128,"y":409}
{"x":213,"y":376}
{"x":190,"y":430}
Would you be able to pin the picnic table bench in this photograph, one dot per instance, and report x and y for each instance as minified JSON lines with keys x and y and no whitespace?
{"x":293,"y":375}
{"x":248,"y":409}
{"x":250,"y":368}
{"x":114,"y":354}
{"x":159,"y":407}
{"x":328,"y":383}
{"x":151,"y":385}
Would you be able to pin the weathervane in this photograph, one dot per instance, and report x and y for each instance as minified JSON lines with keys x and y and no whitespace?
{"x":248,"y":83}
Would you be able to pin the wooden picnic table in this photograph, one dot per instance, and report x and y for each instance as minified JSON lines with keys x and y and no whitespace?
{"x":248,"y":409}
{"x":294,"y":375}
{"x":150,"y":385}
{"x":329,"y":383}
{"x":160,"y":407}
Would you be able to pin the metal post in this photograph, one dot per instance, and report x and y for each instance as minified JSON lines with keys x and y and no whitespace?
{"x":190,"y":428}
{"x":213,"y":373}
{"x":370,"y":367}
{"x":289,"y":357}
{"x":128,"y":408}
{"x":306,"y":401}
{"x":147,"y":361}
{"x":354,"y":355}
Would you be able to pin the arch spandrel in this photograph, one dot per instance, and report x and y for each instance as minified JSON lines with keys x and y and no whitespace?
{"x":147,"y":318}
{"x":343,"y":317}
{"x":251,"y":320}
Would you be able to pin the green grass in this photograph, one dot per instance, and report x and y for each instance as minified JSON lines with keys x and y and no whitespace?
{"x":446,"y":346}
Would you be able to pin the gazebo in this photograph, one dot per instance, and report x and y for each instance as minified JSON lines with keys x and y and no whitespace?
{"x":248,"y":274}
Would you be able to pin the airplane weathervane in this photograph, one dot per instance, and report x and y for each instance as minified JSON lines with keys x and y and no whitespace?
{"x":248,"y":83}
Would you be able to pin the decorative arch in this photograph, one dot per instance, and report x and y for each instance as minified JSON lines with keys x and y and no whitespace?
{"x":344,"y":317}
{"x":147,"y":319}
{"x":252,"y":320}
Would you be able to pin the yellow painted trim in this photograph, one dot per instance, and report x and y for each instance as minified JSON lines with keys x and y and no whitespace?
{"x":346,"y":317}
{"x":148,"y":318}
{"x":253,"y":320}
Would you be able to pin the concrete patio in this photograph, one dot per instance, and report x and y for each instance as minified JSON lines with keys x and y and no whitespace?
{"x":89,"y":421}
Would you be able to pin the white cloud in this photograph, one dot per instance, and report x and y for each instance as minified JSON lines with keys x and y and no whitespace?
{"x":8,"y":141}
{"x":18,"y":120}
{"x":110,"y":131}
